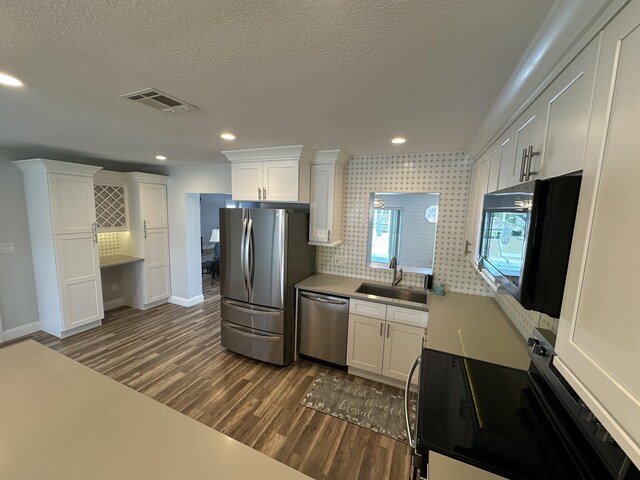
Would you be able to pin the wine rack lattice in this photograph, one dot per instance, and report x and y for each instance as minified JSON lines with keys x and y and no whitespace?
{"x":110,"y":206}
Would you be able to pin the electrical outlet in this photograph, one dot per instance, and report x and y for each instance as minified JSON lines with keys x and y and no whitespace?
{"x":338,"y":260}
{"x":7,"y":248}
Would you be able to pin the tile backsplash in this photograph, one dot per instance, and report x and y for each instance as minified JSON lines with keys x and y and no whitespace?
{"x":445,"y":173}
{"x":524,"y":320}
{"x":109,"y":244}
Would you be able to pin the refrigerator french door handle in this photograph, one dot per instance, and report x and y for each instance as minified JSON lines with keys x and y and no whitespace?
{"x":244,"y":252}
{"x":250,"y":257}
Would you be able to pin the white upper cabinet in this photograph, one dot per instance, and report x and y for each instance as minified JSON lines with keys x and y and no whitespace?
{"x":550,"y":137}
{"x":278,"y":174}
{"x":478,"y":187}
{"x":153,"y":205}
{"x":599,"y":332}
{"x":325,"y":209}
{"x":568,"y":102}
{"x":72,"y":203}
{"x":246,"y":181}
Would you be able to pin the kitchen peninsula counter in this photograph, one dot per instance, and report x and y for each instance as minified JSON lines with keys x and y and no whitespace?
{"x":63,"y":421}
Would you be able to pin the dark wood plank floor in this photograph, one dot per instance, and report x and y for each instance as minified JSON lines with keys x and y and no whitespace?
{"x":173,"y":355}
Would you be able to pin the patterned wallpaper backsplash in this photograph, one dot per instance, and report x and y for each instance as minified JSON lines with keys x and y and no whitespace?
{"x":109,"y":244}
{"x":444,"y":173}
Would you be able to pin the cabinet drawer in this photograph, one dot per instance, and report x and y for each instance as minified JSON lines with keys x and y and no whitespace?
{"x":407,"y":316}
{"x":368,"y":309}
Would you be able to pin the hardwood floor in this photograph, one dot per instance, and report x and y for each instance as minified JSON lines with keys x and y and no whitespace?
{"x":173,"y":355}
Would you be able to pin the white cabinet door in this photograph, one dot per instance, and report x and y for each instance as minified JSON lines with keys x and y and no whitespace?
{"x":365,"y":343}
{"x":599,"y":332}
{"x":506,"y":152}
{"x":156,"y":265}
{"x":79,"y":279}
{"x":321,"y":206}
{"x":403,"y":343}
{"x":568,"y":102}
{"x":153,"y":205}
{"x":477,"y":189}
{"x":246,"y":181}
{"x":528,"y":141}
{"x":72,"y":203}
{"x":493,"y":155}
{"x":280,"y":181}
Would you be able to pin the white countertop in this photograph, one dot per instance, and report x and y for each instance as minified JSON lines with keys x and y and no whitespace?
{"x":61,"y":420}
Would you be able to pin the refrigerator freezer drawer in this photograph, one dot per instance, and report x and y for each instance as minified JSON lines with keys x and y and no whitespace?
{"x":253,"y":316}
{"x":253,"y":343}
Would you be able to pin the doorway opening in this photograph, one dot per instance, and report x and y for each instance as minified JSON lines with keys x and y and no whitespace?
{"x":210,"y":205}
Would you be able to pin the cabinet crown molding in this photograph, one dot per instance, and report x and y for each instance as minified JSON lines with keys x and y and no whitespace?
{"x":331,"y":157}
{"x":291,"y":152}
{"x":56,"y":166}
{"x":147,"y":177}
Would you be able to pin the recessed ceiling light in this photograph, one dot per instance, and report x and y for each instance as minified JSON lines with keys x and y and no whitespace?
{"x":227,"y":136}
{"x":9,"y":81}
{"x":160,"y":157}
{"x":398,"y":140}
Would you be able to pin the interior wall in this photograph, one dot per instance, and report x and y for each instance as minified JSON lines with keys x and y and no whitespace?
{"x":18,"y":304}
{"x":210,"y":204}
{"x":185,"y":185}
{"x":445,"y":173}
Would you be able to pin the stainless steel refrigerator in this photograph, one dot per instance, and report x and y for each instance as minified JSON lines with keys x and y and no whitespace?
{"x":263,"y":254}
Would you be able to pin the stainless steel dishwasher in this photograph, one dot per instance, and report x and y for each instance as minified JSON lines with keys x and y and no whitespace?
{"x":323,"y":324}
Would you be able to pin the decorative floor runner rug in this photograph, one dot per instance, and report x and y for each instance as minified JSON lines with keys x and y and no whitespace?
{"x":365,"y":406}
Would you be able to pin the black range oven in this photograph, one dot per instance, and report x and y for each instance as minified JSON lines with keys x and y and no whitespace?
{"x":515,"y":423}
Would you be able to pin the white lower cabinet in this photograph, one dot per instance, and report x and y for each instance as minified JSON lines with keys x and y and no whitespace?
{"x":365,"y":343}
{"x":156,"y":265}
{"x":79,"y":279}
{"x":383,"y":347}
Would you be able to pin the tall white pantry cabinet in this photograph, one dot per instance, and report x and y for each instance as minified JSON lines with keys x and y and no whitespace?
{"x":64,"y":244}
{"x":151,"y":284}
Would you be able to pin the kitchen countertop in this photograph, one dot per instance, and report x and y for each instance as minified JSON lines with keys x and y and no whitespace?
{"x":346,"y":287}
{"x":468,"y":325}
{"x":115,"y":260}
{"x":63,"y":421}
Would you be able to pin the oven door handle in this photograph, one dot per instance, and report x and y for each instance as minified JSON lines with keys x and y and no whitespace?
{"x":410,"y":436}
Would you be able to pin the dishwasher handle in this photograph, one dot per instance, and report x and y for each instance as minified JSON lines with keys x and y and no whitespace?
{"x":317,"y":298}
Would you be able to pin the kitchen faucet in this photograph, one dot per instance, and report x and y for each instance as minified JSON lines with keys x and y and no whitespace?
{"x":394,"y":264}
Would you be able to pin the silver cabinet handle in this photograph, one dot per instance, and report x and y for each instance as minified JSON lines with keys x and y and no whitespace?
{"x":94,"y":228}
{"x":467,"y":244}
{"x":144,"y":228}
{"x":530,"y":155}
{"x":412,"y":441}
{"x":381,"y":327}
{"x":329,"y":236}
{"x":323,"y":300}
{"x":523,"y":164}
{"x":264,"y":193}
{"x":387,"y":330}
{"x":259,"y":193}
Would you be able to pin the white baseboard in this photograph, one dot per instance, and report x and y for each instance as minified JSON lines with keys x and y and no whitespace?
{"x":21,"y":331}
{"x":187,"y":302}
{"x":115,"y":303}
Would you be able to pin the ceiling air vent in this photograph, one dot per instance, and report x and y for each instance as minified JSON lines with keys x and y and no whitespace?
{"x":152,"y":97}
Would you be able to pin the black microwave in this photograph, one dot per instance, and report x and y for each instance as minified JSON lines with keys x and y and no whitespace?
{"x":526,"y":239}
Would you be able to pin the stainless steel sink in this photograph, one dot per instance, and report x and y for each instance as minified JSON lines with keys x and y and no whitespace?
{"x":399,"y":293}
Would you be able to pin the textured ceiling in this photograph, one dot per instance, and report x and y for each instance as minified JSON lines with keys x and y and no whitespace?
{"x":328,"y":74}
